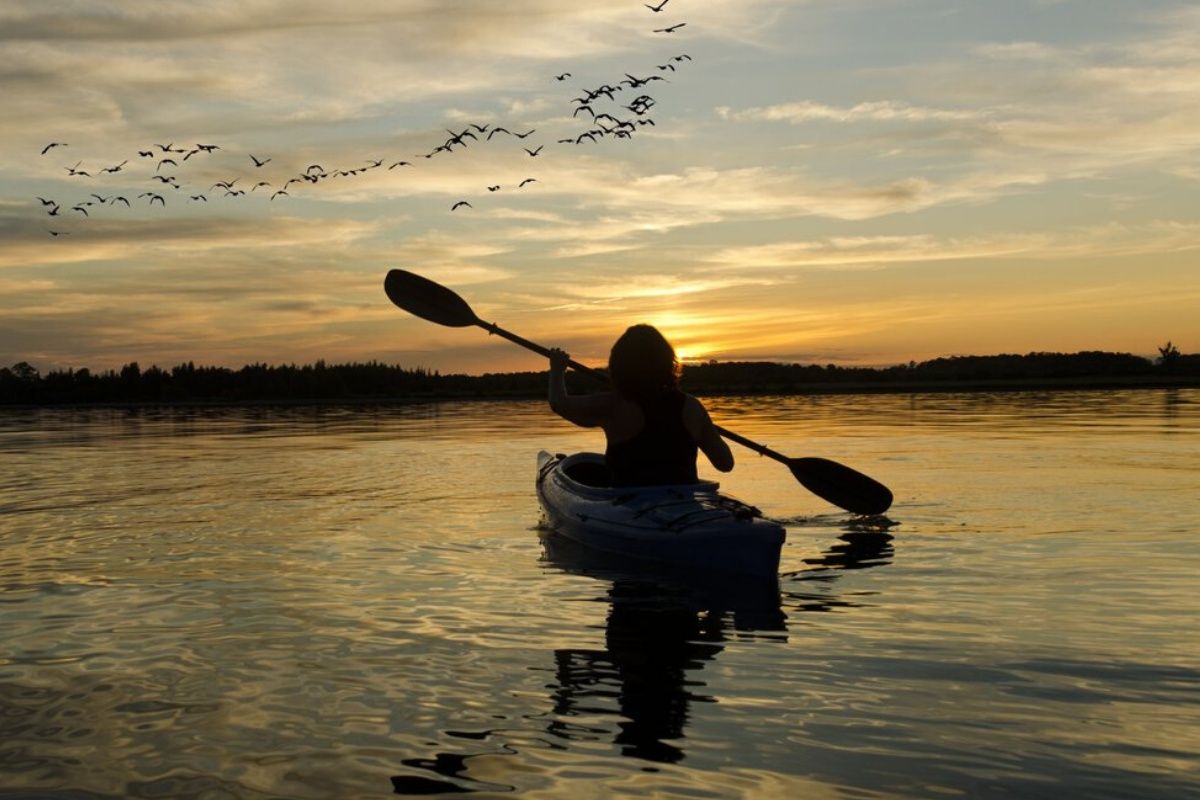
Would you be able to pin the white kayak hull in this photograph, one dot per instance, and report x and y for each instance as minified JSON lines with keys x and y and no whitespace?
{"x":693,"y":525}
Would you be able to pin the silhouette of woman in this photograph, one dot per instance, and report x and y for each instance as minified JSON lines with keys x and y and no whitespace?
{"x":653,"y":430}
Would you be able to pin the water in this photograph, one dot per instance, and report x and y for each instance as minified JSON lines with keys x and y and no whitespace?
{"x":352,"y":602}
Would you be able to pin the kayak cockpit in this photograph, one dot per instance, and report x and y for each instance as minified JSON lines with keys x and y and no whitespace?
{"x":589,"y":471}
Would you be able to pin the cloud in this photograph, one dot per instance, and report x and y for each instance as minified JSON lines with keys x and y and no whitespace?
{"x":875,"y":111}
{"x":877,"y":252}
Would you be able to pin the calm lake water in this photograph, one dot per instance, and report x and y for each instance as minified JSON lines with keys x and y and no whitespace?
{"x":352,"y":602}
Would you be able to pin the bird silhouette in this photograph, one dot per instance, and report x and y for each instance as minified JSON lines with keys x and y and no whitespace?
{"x":76,"y":171}
{"x":199,"y":197}
{"x":670,"y":29}
{"x":533,"y":153}
{"x":494,"y":188}
{"x":54,"y":211}
{"x":146,"y":153}
{"x":525,"y":134}
{"x":682,"y":57}
{"x":113,"y":202}
{"x":401,"y":164}
{"x":46,"y":202}
{"x":656,"y":8}
{"x":58,"y":233}
{"x":260,"y":183}
{"x":81,"y":210}
{"x":257,"y":162}
{"x":562,"y":77}
{"x":99,"y":198}
{"x":115,"y":168}
{"x":51,"y":146}
{"x":496,"y":130}
{"x":527,"y":180}
{"x":170,"y":161}
{"x":459,"y":204}
{"x":281,"y":191}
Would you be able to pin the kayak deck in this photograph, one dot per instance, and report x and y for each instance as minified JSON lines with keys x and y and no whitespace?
{"x":692,"y":524}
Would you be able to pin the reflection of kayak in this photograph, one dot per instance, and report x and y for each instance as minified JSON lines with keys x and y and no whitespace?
{"x":691,"y":525}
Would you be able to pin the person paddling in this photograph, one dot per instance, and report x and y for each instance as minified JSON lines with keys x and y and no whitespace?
{"x":653,"y":430}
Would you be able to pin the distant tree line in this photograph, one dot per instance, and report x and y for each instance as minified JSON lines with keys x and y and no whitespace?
{"x":186,"y":383}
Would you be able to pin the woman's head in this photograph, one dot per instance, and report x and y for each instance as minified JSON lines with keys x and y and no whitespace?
{"x":643,"y":363}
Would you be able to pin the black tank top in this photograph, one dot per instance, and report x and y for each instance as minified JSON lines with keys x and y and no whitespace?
{"x":662,"y":453}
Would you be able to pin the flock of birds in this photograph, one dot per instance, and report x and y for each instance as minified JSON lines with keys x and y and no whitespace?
{"x":602,"y":110}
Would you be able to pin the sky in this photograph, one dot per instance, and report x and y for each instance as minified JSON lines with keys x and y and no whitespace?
{"x":863,"y":182}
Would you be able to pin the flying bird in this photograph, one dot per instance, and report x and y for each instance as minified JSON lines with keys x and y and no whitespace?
{"x":525,"y":134}
{"x":494,"y":188}
{"x":153,"y":197}
{"x":199,"y":197}
{"x":656,"y":8}
{"x":46,"y":202}
{"x":533,"y":153}
{"x":496,"y":130}
{"x":81,"y":210}
{"x":76,"y":171}
{"x":670,"y":29}
{"x":58,"y":233}
{"x":115,"y":168}
{"x":113,"y":202}
{"x":260,"y":183}
{"x":565,"y":75}
{"x":51,"y":146}
{"x":460,"y":203}
{"x":682,"y":57}
{"x":258,"y":163}
{"x":281,"y":191}
{"x":170,"y":161}
{"x":146,"y":153}
{"x":401,"y":164}
{"x":99,"y":198}
{"x":527,"y":180}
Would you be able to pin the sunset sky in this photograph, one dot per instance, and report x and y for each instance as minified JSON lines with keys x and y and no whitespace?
{"x":849,"y":181}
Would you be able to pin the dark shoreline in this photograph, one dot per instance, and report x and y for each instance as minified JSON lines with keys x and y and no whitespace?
{"x":982,"y":386}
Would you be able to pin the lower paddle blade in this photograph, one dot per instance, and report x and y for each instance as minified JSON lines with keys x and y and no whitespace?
{"x":844,"y":487}
{"x":423,"y":298}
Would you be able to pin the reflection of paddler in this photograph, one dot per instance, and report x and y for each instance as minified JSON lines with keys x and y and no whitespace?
{"x":650,"y":647}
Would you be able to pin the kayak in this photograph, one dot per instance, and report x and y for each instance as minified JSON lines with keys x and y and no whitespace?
{"x":690,"y":525}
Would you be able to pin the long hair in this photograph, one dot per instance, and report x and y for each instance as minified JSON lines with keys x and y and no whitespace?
{"x":642,"y":363}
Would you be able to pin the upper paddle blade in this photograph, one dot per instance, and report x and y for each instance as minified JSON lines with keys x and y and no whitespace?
{"x":428,"y":300}
{"x":844,"y":487}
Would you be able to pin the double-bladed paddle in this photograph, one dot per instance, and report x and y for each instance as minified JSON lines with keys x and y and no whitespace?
{"x":844,"y":487}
